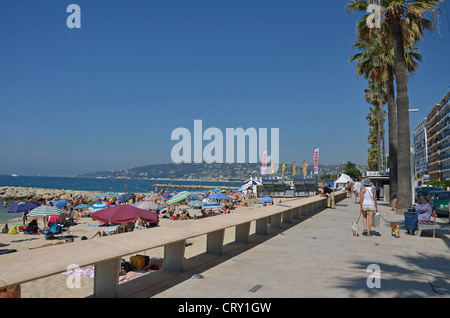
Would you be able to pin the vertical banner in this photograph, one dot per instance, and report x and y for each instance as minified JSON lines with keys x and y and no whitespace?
{"x":264,"y":162}
{"x":282,"y":168}
{"x":305,"y":168}
{"x":337,"y":174}
{"x":293,"y":168}
{"x":272,"y":167}
{"x":316,"y":161}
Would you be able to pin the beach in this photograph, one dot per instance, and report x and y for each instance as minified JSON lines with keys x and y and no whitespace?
{"x":56,"y":286}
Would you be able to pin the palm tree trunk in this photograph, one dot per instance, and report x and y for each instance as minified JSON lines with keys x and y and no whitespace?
{"x":378,"y":139}
{"x":393,"y":135}
{"x":404,"y":191}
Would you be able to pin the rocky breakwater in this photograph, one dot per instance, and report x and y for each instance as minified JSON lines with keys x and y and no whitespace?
{"x":40,"y":195}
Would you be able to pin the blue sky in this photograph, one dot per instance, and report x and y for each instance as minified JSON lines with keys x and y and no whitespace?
{"x":108,"y":96}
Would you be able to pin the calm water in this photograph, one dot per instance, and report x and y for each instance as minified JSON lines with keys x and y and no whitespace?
{"x":93,"y":184}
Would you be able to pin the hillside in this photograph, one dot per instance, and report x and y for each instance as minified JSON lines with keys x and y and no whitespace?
{"x":206,"y":172}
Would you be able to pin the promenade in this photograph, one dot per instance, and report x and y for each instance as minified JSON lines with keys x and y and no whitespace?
{"x":316,"y":256}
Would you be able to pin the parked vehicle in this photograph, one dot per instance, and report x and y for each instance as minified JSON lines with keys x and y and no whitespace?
{"x":423,"y":191}
{"x":440,"y":200}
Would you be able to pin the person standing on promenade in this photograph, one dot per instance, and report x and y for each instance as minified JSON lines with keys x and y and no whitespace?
{"x":348,"y":187}
{"x":368,"y":205}
{"x":357,"y":190}
{"x":378,"y":190}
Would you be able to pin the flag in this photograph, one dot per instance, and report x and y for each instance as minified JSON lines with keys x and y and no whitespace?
{"x":272,"y":167}
{"x":305,"y":167}
{"x":282,"y":168}
{"x":316,"y":161}
{"x":293,"y":169}
{"x":264,"y":162}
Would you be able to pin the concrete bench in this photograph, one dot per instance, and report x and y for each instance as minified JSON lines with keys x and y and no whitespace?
{"x":106,"y":253}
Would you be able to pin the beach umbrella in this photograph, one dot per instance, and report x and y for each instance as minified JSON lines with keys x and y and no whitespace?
{"x":219,"y":196}
{"x":193,"y":197}
{"x":213,"y":205}
{"x":60,"y":204}
{"x":147,"y":205}
{"x":23,"y":207}
{"x":168,"y":196}
{"x":125,"y":197}
{"x":45,"y":210}
{"x":178,"y":198}
{"x":266,"y":199}
{"x":98,"y":206}
{"x":198,"y":193}
{"x":124,"y":213}
{"x":216,"y":190}
{"x":195,"y":203}
{"x":82,"y":206}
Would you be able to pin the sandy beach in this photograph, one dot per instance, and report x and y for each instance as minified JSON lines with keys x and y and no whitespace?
{"x":56,"y":286}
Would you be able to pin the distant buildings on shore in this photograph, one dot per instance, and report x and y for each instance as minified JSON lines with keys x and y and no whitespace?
{"x":432,"y":143}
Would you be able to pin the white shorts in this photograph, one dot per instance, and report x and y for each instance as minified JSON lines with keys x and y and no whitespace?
{"x":368,"y":208}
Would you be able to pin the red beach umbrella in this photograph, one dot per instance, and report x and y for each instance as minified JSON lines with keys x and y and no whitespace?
{"x":124,"y":213}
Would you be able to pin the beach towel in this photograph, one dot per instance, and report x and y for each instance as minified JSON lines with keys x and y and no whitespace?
{"x":87,"y":271}
{"x":6,"y":251}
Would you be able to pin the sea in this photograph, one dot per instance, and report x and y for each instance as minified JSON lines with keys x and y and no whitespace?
{"x":98,"y":185}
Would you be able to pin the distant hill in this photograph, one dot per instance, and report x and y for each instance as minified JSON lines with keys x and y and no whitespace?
{"x":207,"y":171}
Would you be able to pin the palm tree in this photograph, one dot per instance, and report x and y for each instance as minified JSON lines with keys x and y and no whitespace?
{"x":376,"y":95}
{"x":404,"y":25}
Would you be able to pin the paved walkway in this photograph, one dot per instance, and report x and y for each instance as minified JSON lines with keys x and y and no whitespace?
{"x":316,"y":256}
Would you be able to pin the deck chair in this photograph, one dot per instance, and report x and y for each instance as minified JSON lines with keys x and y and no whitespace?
{"x":66,"y":226}
{"x":54,"y":229}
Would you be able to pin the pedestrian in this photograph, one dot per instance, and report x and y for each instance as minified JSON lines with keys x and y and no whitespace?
{"x":349,"y":189}
{"x":368,"y":205}
{"x":378,"y":190}
{"x":357,"y":190}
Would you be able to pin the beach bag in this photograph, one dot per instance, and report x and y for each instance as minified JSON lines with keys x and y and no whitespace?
{"x":5,"y":229}
{"x":376,"y":220}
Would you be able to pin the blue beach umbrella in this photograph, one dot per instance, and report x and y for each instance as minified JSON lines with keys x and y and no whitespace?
{"x":23,"y":207}
{"x":216,"y":190}
{"x":60,"y":204}
{"x":125,"y":197}
{"x":266,"y":199}
{"x":219,"y":196}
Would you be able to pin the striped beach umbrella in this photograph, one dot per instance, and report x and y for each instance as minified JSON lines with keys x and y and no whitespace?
{"x":178,"y":198}
{"x":213,"y":205}
{"x":195,"y":203}
{"x":81,"y":206}
{"x":98,"y":206}
{"x":44,"y":210}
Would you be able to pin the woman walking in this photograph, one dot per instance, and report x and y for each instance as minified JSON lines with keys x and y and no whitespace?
{"x":368,"y":205}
